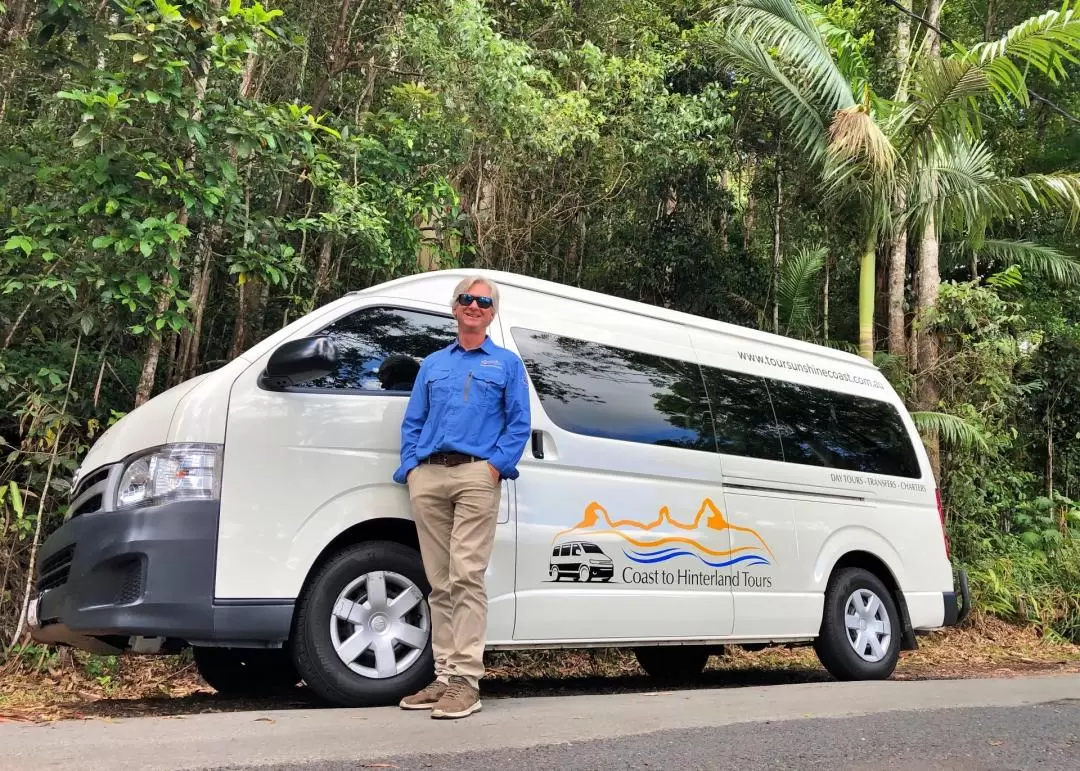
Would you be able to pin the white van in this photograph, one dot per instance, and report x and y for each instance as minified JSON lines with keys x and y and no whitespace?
{"x":738,"y":488}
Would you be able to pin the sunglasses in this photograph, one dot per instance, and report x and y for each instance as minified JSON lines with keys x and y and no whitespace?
{"x":466,"y":300}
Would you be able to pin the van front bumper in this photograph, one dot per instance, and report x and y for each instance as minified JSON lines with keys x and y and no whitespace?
{"x":143,"y":580}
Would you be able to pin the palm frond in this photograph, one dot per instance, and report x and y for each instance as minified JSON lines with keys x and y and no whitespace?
{"x":1004,"y":198}
{"x":797,"y":294}
{"x":1045,"y":42}
{"x":1055,"y":265}
{"x":951,"y":430}
{"x":782,"y":27}
{"x":955,"y":178}
{"x":802,"y":118}
{"x":849,"y":59}
{"x":944,"y":94}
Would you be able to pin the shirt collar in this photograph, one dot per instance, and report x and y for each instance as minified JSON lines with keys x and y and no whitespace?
{"x":487,"y":346}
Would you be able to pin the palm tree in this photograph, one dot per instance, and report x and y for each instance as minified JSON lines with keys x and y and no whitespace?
{"x":829,"y":112}
{"x":878,"y":151}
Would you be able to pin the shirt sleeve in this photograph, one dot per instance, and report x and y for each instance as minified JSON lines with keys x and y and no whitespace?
{"x":515,"y":436}
{"x":411,"y":426}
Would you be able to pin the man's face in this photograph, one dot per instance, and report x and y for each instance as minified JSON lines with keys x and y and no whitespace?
{"x":471,"y":317}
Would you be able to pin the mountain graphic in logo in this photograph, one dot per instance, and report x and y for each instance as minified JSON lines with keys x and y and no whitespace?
{"x":647,"y":544}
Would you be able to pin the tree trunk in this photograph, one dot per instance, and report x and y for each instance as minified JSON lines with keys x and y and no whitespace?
{"x":926,"y":383}
{"x":777,"y":258}
{"x":581,"y":246}
{"x":725,"y":219}
{"x":153,"y":351}
{"x":1050,"y":461}
{"x":825,"y":297}
{"x":933,"y":16}
{"x":897,"y":283}
{"x":338,"y":61}
{"x":867,"y":276}
{"x":239,"y":330}
{"x":898,"y":246}
{"x":751,"y":205}
{"x":991,"y":20}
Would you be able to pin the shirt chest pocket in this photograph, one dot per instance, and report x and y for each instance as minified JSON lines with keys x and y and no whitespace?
{"x":484,"y":388}
{"x":441,"y":385}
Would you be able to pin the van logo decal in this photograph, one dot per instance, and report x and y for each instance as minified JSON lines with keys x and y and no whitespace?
{"x":577,"y":552}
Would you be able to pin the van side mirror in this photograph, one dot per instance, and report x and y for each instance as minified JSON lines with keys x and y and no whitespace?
{"x":298,"y":361}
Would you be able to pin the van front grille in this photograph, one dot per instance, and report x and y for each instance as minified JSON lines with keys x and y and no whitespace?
{"x":55,"y":569}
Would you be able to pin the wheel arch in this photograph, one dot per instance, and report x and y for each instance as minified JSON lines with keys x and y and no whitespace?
{"x":873,"y":564}
{"x":396,"y":529}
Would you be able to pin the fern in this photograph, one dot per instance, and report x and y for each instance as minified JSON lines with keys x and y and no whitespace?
{"x":797,"y":289}
{"x":951,"y":429}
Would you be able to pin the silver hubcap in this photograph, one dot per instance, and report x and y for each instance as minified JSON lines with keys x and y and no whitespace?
{"x":380,"y":624}
{"x":869,"y":629}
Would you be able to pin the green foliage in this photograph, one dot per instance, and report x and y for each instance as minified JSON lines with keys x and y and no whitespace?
{"x":178,"y":180}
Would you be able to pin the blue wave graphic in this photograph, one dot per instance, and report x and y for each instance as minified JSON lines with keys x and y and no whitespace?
{"x":663,"y":555}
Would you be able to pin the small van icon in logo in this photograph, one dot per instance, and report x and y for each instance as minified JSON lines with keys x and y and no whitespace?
{"x":580,"y":560}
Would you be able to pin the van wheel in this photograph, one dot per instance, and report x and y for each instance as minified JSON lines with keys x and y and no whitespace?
{"x":362,"y":630}
{"x":554,"y":573}
{"x":860,"y":629}
{"x":584,"y":574}
{"x":673,"y":663}
{"x":246,"y":671}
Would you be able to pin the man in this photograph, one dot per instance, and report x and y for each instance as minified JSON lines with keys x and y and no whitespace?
{"x":464,"y":431}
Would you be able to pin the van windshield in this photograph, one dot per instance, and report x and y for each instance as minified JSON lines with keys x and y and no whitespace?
{"x":591,"y":548}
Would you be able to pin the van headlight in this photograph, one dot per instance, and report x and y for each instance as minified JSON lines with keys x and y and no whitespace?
{"x":175,"y":472}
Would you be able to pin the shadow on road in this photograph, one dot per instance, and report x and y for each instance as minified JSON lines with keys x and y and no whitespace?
{"x":495,"y":688}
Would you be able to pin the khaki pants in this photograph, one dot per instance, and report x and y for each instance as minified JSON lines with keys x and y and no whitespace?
{"x":455,"y":509}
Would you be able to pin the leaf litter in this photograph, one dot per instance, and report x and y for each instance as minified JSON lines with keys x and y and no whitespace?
{"x":169,"y":687}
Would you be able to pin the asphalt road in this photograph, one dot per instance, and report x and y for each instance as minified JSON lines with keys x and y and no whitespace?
{"x":1046,"y":737}
{"x":960,"y":724}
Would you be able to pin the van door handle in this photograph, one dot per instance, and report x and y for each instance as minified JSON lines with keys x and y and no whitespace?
{"x":538,"y":444}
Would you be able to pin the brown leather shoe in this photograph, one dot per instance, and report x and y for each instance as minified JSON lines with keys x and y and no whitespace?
{"x":460,"y":700}
{"x":426,"y":698}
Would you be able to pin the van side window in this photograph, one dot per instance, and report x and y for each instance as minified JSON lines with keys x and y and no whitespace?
{"x":819,"y":427}
{"x":380,"y":349}
{"x":745,"y":423}
{"x":608,"y":392}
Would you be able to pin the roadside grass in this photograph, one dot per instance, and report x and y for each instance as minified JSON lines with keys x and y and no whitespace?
{"x":44,"y":685}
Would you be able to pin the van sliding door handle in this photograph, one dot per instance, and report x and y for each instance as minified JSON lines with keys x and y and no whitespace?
{"x":538,"y":444}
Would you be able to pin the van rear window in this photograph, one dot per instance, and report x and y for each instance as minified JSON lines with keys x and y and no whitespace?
{"x":614,"y":393}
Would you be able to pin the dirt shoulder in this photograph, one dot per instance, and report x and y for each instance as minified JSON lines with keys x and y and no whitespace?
{"x":44,"y":686}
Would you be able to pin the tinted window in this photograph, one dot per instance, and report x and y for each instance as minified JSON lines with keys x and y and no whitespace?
{"x":745,"y":424}
{"x":380,"y":349}
{"x":842,"y":431}
{"x":591,"y":548}
{"x":613,"y":393}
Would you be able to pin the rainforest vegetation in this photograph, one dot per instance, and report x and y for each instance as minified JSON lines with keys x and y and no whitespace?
{"x":896,"y":178}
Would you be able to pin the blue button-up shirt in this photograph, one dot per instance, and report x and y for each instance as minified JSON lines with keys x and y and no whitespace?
{"x":473,"y":402}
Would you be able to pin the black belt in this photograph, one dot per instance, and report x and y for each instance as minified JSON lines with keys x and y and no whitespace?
{"x":450,"y":459}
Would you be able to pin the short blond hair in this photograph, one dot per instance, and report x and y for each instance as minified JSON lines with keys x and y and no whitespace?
{"x":464,"y":285}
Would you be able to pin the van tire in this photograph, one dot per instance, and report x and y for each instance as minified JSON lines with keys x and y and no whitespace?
{"x":245,"y":672}
{"x":323,"y":670}
{"x":833,"y":646}
{"x":673,"y":663}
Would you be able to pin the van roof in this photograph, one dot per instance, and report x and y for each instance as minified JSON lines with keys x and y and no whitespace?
{"x":554,"y":288}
